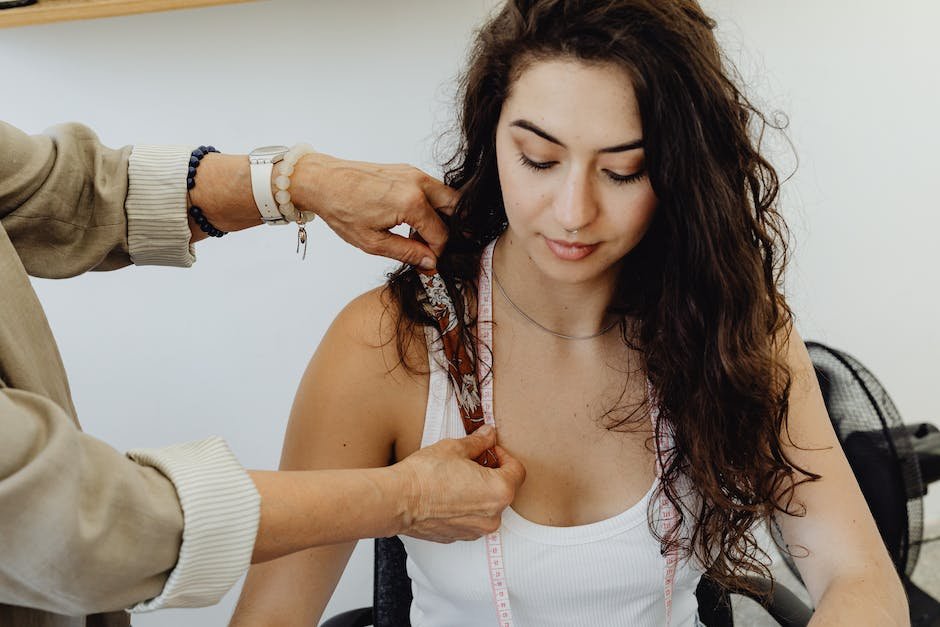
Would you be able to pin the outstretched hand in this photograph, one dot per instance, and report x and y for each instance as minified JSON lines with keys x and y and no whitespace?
{"x":451,"y":497}
{"x":361,"y":202}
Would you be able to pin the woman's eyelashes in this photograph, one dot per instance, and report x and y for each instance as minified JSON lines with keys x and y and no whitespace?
{"x":619,"y":179}
{"x":535,"y":165}
{"x":623,"y":179}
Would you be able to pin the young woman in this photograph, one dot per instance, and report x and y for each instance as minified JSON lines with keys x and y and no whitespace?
{"x":615,"y":260}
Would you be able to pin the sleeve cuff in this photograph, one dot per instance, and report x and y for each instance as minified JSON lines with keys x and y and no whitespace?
{"x":221,"y":511}
{"x":157,"y":224}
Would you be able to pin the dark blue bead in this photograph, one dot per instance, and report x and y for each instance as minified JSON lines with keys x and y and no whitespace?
{"x":190,"y":183}
{"x":195,"y":211}
{"x":192,"y":171}
{"x":211,"y":149}
{"x":194,"y":161}
{"x":202,"y":148}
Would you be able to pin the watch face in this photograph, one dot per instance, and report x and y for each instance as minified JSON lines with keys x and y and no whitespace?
{"x":268,"y":151}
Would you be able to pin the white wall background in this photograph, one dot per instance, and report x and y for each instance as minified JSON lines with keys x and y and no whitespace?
{"x":159,"y":356}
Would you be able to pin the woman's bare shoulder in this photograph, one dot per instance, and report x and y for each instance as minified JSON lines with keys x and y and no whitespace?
{"x":373,"y":326}
{"x":360,"y":402}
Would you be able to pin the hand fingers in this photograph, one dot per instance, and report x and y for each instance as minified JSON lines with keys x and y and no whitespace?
{"x":441,"y":197}
{"x":423,"y":219}
{"x":510,"y":467}
{"x":406,"y":250}
{"x":474,"y":444}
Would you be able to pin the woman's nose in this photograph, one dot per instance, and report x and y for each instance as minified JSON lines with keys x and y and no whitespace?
{"x":576,"y":207}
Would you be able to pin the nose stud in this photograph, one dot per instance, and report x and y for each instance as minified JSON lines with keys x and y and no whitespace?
{"x":572,"y":231}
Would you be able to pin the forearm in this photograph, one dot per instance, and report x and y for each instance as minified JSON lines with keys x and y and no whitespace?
{"x":223,"y":192}
{"x":304,"y":509}
{"x":863,"y":600}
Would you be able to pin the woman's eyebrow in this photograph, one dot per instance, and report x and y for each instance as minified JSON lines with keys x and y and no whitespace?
{"x":532,"y":128}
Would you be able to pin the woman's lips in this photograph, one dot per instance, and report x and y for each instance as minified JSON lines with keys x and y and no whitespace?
{"x":568,"y":251}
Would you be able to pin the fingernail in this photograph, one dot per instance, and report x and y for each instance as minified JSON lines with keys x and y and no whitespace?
{"x":426,"y":264}
{"x":485,"y":430}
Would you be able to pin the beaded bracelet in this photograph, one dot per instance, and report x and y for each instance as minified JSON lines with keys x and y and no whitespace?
{"x":194,"y":159}
{"x":285,"y":167}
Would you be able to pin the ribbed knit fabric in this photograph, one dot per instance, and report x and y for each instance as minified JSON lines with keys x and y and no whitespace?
{"x":157,"y":224}
{"x":221,"y":511}
{"x":605,"y":573}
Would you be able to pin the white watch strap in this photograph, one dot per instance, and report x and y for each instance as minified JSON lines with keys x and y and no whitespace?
{"x":261,"y":188}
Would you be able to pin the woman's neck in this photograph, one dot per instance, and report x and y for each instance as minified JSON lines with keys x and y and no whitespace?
{"x":574,"y":309}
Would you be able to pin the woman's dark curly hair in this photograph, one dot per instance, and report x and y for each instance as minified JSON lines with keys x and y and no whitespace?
{"x":702,"y":287}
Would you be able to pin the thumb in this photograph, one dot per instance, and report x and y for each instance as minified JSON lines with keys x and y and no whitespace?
{"x":510,"y":467}
{"x":477,"y":442}
{"x":407,"y":251}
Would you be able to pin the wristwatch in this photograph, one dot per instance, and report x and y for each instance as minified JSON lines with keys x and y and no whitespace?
{"x":261,"y":161}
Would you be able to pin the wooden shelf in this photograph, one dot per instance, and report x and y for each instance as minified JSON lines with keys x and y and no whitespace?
{"x":46,"y":11}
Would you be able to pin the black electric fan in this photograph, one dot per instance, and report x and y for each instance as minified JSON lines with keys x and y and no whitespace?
{"x":893,"y":462}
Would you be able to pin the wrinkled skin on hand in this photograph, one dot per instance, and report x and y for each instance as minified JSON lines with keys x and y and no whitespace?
{"x":451,"y":497}
{"x":361,"y":201}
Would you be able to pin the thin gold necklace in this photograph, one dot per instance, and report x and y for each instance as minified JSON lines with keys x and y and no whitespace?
{"x":502,"y":291}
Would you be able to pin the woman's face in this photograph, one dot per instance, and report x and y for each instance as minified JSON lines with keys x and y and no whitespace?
{"x":571,"y":166}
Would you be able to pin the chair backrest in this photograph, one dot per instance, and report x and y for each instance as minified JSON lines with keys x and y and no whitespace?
{"x":391,"y":592}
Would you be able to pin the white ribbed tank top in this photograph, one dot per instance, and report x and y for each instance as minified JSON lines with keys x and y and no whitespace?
{"x":605,"y":573}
